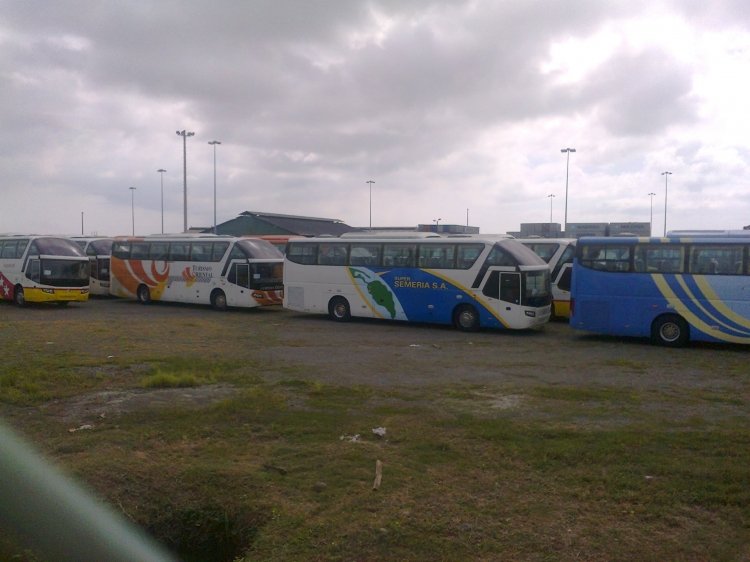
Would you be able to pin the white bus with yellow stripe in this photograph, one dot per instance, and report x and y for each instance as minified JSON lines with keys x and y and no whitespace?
{"x":468,"y":281}
{"x":42,"y":269}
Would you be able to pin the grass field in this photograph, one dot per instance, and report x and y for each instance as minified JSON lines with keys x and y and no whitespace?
{"x":224,"y":455}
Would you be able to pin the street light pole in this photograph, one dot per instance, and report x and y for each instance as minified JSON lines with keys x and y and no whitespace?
{"x":567,"y":169}
{"x":184,"y":134}
{"x":651,"y":220}
{"x":437,"y":224}
{"x":132,"y":207}
{"x":666,"y":176}
{"x":551,"y":196}
{"x":370,"y":182}
{"x":161,"y":174}
{"x":214,"y":143}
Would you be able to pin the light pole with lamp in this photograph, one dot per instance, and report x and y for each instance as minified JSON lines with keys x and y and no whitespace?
{"x":567,"y":169}
{"x":551,"y":196}
{"x":184,"y":134}
{"x":161,"y":174}
{"x":132,"y":207}
{"x":370,"y":182}
{"x":666,"y":177}
{"x":214,"y":143}
{"x":651,"y":220}
{"x":437,"y":224}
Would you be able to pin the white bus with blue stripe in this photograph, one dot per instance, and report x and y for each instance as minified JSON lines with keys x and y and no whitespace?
{"x":471,"y":282}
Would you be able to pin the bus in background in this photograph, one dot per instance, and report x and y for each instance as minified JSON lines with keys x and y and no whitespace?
{"x":470,"y":282}
{"x":672,"y":290}
{"x":99,"y":251}
{"x":559,"y":254}
{"x":42,"y":269}
{"x":709,"y":233}
{"x":220,"y":271}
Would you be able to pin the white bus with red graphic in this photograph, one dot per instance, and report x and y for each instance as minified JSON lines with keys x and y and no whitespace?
{"x":221,"y":271}
{"x":42,"y":269}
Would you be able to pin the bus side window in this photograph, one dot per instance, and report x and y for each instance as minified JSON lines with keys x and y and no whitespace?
{"x":564,"y":281}
{"x":492,"y":286}
{"x":9,"y":249}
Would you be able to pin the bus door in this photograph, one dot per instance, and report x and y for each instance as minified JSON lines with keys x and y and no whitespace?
{"x":505,"y":288}
{"x":239,"y":274}
{"x":33,"y":270}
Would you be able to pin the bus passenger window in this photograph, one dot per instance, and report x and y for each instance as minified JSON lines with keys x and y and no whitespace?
{"x":468,"y":254}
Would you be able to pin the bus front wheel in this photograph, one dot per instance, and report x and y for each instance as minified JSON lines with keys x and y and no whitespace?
{"x":219,"y":300}
{"x":466,"y":318}
{"x":338,"y":309}
{"x":670,"y":330}
{"x":144,"y":295}
{"x":18,"y":296}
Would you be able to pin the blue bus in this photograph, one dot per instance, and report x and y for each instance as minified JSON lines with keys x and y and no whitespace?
{"x":468,"y":281}
{"x":672,"y":290}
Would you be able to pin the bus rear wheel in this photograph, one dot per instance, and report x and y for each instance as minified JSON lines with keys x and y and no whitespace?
{"x":338,"y":309}
{"x":466,"y":318}
{"x":19,"y":297}
{"x":144,"y":295}
{"x":219,"y":300}
{"x":670,"y":330}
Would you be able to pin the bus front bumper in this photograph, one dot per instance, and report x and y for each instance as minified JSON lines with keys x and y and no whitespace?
{"x":36,"y":294}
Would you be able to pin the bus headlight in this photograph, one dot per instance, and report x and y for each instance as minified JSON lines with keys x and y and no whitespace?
{"x":49,"y":291}
{"x":531,"y":313}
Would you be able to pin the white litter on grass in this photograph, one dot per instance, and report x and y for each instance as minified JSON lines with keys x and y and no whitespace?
{"x":84,"y":426}
{"x":379,"y":431}
{"x":414,"y":345}
{"x":351,"y":438}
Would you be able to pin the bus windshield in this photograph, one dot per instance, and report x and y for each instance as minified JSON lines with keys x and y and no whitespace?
{"x":63,"y":273}
{"x":55,"y":247}
{"x":255,"y":248}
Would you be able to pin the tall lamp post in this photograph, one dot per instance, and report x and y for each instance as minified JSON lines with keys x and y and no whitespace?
{"x":132,"y":207}
{"x":551,"y":196}
{"x":437,"y":224}
{"x":567,"y":169}
{"x":666,"y":177}
{"x":214,"y":143}
{"x":370,"y":182}
{"x":651,"y":220}
{"x":161,"y":174}
{"x":184,"y":134}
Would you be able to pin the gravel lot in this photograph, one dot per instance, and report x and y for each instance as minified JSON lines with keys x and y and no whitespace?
{"x":376,"y":352}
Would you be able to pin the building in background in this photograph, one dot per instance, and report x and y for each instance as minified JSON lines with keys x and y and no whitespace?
{"x":251,"y":223}
{"x":579,"y":229}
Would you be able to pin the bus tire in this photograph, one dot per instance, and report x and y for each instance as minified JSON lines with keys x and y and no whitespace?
{"x":144,"y":295}
{"x":466,"y":318}
{"x":18,"y":296}
{"x":338,"y":309}
{"x":218,"y":300}
{"x":670,"y":330}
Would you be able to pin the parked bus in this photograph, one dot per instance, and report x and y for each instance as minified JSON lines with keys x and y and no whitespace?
{"x":42,"y":269}
{"x":559,"y":254}
{"x":222,"y":271}
{"x":99,"y":251}
{"x":672,"y":290}
{"x":470,"y":282}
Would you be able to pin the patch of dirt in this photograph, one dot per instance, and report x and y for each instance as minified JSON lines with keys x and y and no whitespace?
{"x":88,"y":408}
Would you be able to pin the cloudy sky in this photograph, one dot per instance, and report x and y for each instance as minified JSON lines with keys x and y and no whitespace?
{"x":451,"y":108}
